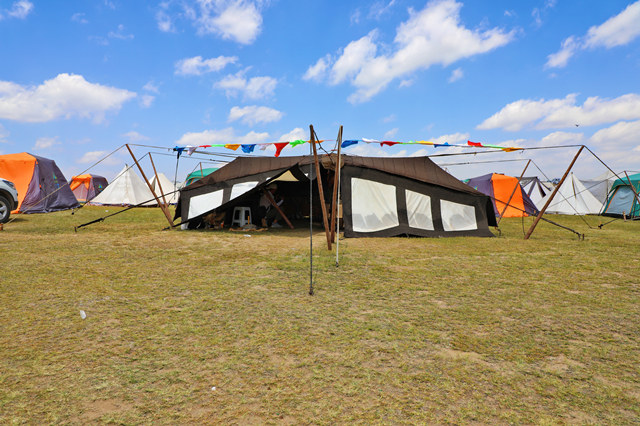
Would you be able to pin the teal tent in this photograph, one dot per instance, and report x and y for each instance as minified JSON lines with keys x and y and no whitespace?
{"x":198,"y":174}
{"x":622,"y":198}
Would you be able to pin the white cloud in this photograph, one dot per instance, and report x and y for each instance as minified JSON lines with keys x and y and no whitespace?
{"x":95,"y":156}
{"x":146,"y":100}
{"x":199,"y":66}
{"x":65,"y":96}
{"x":389,"y":118}
{"x":151,"y":87}
{"x":562,"y":138}
{"x":317,"y":72}
{"x":380,"y":8}
{"x":45,"y":143}
{"x":19,"y":9}
{"x":253,"y":88}
{"x":621,"y":135}
{"x":120,"y":34}
{"x":134,"y":136}
{"x":391,"y":133}
{"x":226,"y":136}
{"x":560,"y":59}
{"x":236,"y":20}
{"x":616,"y":31}
{"x":433,"y":35}
{"x":562,"y":113}
{"x":452,"y":138}
{"x":252,"y":115}
{"x":296,"y":134}
{"x":456,"y":75}
{"x":79,"y":18}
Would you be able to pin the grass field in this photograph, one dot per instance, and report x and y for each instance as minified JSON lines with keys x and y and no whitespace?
{"x":218,"y":326}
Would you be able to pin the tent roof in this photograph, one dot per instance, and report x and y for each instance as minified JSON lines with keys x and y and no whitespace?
{"x":126,"y":189}
{"x":418,"y":168}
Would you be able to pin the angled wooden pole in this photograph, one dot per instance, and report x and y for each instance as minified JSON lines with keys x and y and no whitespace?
{"x":320,"y":190}
{"x":277,"y":207}
{"x":553,"y":194}
{"x":164,"y":200}
{"x":162,"y":207}
{"x":334,"y":201}
{"x":513,"y":193}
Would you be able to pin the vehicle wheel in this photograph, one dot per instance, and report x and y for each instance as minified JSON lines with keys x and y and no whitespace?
{"x":5,"y":209}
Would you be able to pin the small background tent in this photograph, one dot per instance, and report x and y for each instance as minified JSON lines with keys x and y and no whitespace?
{"x":41,"y":185}
{"x":500,"y":187}
{"x":162,"y":185}
{"x":127,"y":189}
{"x":572,"y":198}
{"x":87,"y":186}
{"x":198,"y":174}
{"x":601,"y":186}
{"x":535,"y":189}
{"x":381,"y":197}
{"x":622,"y":200}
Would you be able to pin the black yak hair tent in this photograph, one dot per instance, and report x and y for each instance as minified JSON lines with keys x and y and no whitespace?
{"x":381,"y":197}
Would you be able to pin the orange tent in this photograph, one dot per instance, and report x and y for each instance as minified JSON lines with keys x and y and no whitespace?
{"x":500,"y":188}
{"x":40,"y":184}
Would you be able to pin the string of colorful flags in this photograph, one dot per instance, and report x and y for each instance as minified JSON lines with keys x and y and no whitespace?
{"x":279,"y":146}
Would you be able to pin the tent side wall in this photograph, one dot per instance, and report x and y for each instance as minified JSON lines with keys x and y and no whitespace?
{"x":378,"y":204}
{"x":622,"y":199}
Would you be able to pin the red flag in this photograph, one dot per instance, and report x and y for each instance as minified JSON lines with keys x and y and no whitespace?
{"x":279,"y":147}
{"x":474,"y":143}
{"x":383,"y":143}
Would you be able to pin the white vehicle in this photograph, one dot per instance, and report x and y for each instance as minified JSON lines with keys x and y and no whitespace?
{"x":8,"y":199}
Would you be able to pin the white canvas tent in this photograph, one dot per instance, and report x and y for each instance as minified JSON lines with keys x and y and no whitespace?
{"x":572,"y":198}
{"x":601,"y":185}
{"x":127,"y":189}
{"x":168,"y":188}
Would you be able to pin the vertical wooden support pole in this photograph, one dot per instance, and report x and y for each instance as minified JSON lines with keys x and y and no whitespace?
{"x":164,"y":200}
{"x":513,"y":193}
{"x":633,"y":188}
{"x":553,"y":194}
{"x":320,"y":190}
{"x":162,"y":207}
{"x":334,"y":200}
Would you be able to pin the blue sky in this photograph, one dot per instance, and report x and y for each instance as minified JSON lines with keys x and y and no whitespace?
{"x":80,"y":78}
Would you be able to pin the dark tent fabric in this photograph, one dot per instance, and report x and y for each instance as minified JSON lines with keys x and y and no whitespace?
{"x":41,"y":185}
{"x":502,"y":189}
{"x":380,"y":196}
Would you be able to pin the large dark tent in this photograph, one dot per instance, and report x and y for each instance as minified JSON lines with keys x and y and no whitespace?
{"x":381,"y":197}
{"x":41,"y":185}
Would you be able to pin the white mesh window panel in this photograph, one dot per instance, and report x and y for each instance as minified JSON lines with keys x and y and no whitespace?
{"x":373,"y":206}
{"x":205,"y":202}
{"x":240,"y":188}
{"x":457,"y":217}
{"x":419,"y":210}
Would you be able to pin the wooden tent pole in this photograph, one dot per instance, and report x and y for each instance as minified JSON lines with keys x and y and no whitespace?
{"x":513,"y":193}
{"x":334,"y":204}
{"x":162,"y":207}
{"x":633,"y":188}
{"x":320,"y":190}
{"x":164,"y":200}
{"x":274,"y":204}
{"x":553,"y":194}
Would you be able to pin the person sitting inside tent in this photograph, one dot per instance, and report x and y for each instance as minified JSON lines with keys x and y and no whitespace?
{"x":267,"y":213}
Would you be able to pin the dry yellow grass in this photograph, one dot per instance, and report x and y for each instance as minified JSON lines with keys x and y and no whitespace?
{"x":413,"y":330}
